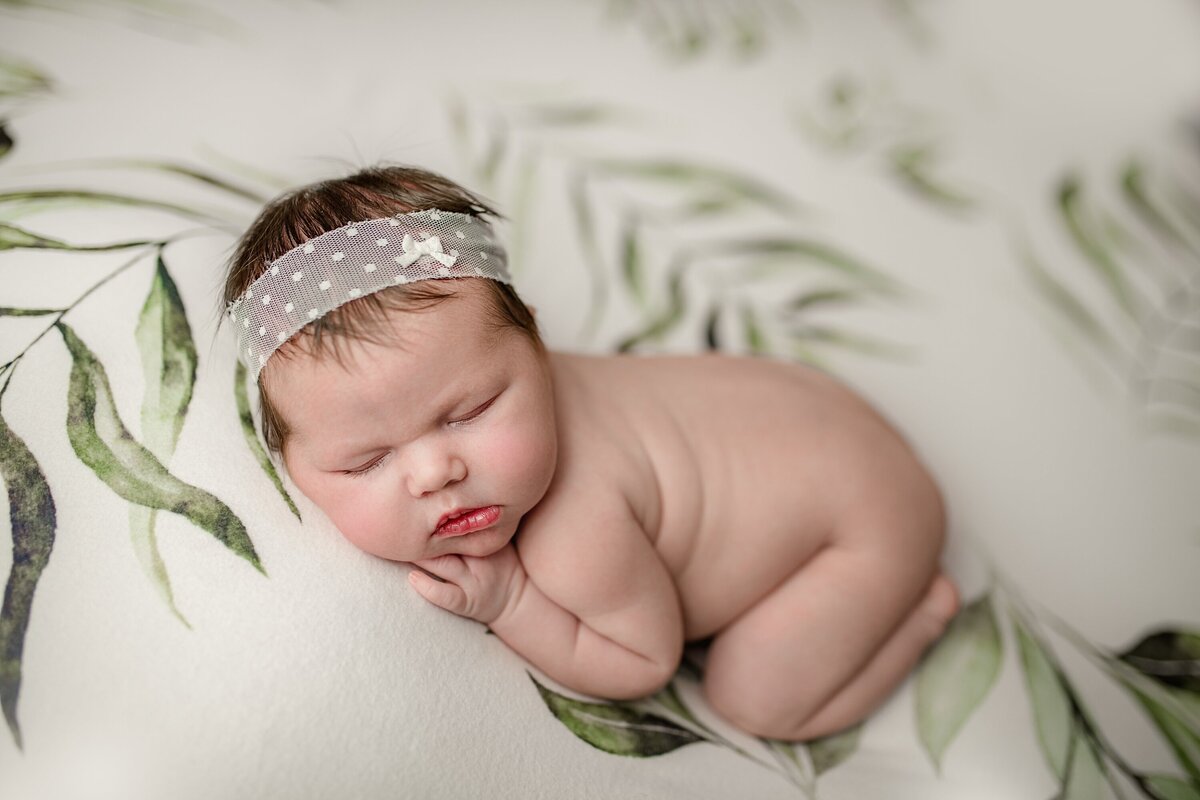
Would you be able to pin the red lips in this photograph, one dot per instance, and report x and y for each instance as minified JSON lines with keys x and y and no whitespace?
{"x":466,"y":520}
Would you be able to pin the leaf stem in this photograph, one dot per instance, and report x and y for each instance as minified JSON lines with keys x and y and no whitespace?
{"x":11,"y":365}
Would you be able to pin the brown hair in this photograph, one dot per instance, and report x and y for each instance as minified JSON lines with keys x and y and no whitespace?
{"x":309,"y":211}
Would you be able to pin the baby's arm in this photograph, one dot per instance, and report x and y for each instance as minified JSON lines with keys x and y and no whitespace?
{"x":599,"y":614}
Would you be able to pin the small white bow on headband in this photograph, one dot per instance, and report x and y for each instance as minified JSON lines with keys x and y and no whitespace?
{"x":430,"y":247}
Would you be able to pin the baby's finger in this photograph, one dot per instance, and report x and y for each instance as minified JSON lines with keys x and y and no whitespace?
{"x":449,"y":567}
{"x":444,"y":595}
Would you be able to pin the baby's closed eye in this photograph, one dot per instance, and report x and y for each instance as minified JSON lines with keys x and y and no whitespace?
{"x":365,"y":468}
{"x":474,"y":413}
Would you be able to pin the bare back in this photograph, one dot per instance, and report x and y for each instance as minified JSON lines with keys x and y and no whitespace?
{"x":738,"y":469}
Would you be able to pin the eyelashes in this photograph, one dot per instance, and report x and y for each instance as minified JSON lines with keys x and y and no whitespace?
{"x":478,"y":412}
{"x":457,"y":423}
{"x":354,"y":473}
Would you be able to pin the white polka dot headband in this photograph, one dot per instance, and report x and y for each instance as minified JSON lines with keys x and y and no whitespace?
{"x":341,"y":265}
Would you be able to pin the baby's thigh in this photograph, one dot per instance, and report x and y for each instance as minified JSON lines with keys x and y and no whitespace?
{"x":790,"y":652}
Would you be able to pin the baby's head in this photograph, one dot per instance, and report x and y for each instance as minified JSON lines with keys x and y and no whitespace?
{"x":401,"y":378}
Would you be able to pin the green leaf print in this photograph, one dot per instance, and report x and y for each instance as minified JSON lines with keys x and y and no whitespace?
{"x":14,"y":238}
{"x":1169,"y":787}
{"x":175,"y":168}
{"x":1051,"y":706}
{"x":1171,"y":660}
{"x":1070,"y":204}
{"x":1169,"y":657}
{"x":1065,"y":301}
{"x":32,"y":514}
{"x":76,"y":198}
{"x":18,"y":79}
{"x":752,"y":330}
{"x":794,"y":250}
{"x":911,"y":164}
{"x":702,"y":177}
{"x":1133,"y":185}
{"x":615,"y":728}
{"x":1084,"y":779}
{"x":1179,"y":729}
{"x":103,"y":443}
{"x":829,"y":751}
{"x":251,"y":435}
{"x":955,"y":676}
{"x":665,"y":321}
{"x":631,"y":260}
{"x":169,"y":365}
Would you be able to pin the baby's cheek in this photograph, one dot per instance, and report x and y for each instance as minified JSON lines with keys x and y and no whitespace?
{"x":359,"y":521}
{"x":521,"y":454}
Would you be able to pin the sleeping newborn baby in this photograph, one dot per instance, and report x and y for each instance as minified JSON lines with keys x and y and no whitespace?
{"x":595,"y":512}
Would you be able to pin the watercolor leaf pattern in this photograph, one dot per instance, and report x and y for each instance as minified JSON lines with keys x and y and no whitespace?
{"x":168,"y":354}
{"x":137,"y":471}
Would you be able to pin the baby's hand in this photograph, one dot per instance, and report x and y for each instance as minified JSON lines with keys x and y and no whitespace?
{"x":479,"y":588}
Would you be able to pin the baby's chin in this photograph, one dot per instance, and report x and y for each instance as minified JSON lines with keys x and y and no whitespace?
{"x":479,"y":544}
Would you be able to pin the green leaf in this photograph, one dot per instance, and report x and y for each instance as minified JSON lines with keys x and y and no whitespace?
{"x":493,"y":157}
{"x":1062,"y":298}
{"x":1168,"y":787}
{"x":169,"y":366}
{"x":585,"y":226}
{"x":668,"y":318}
{"x":700,"y":177}
{"x":955,"y":676}
{"x":524,"y":192}
{"x":631,"y":260}
{"x":796,"y":250}
{"x":712,"y":326}
{"x":18,"y":79}
{"x":1175,"y":711}
{"x":1085,"y":780}
{"x":74,"y":198}
{"x":103,"y":443}
{"x":829,"y":751}
{"x":910,"y":163}
{"x":561,"y":115}
{"x":1051,"y":706}
{"x":823,"y":297}
{"x":669,"y":697}
{"x":1073,"y":215}
{"x":14,"y":238}
{"x":1179,"y":730}
{"x":176,"y":168}
{"x":1133,"y":184}
{"x":614,"y":727}
{"x":33,"y":518}
{"x":752,"y":330}
{"x":251,"y":435}
{"x":1168,"y":656}
{"x":708,"y":205}
{"x":28,"y":312}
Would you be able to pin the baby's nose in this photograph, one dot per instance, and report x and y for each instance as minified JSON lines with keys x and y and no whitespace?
{"x":434,"y":472}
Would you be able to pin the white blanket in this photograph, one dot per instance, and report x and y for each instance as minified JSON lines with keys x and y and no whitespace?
{"x":979,"y":215}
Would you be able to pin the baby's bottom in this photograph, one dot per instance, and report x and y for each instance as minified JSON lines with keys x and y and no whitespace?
{"x":824,"y":649}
